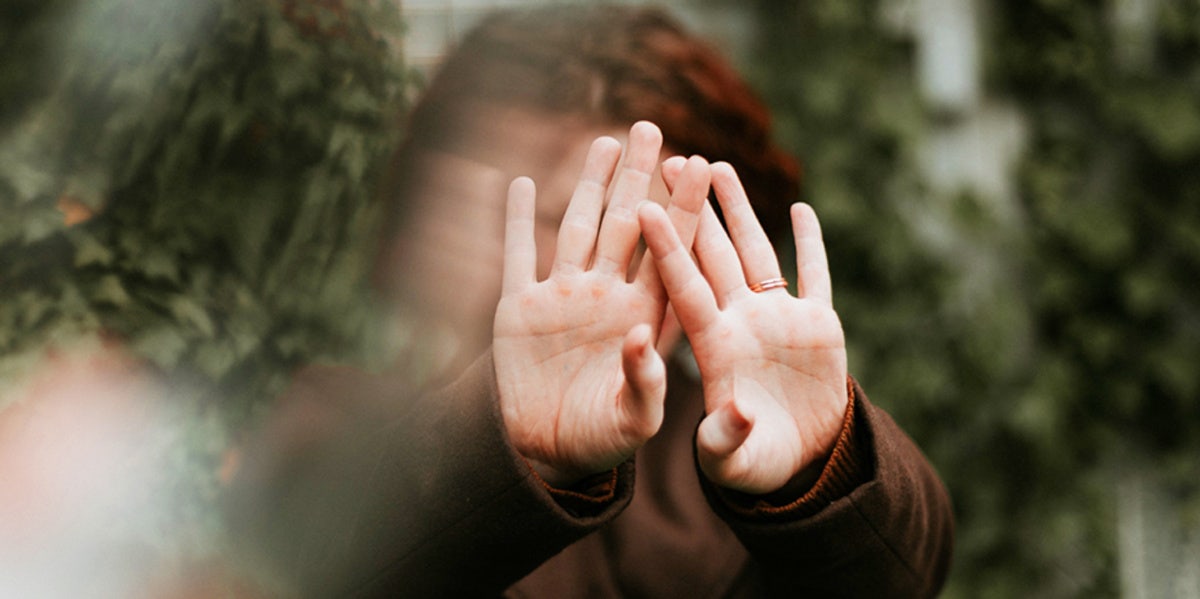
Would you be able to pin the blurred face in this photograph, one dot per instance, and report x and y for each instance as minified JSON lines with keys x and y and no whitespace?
{"x":450,"y":257}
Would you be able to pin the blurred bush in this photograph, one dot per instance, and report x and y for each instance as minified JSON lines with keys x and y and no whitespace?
{"x":192,"y":180}
{"x":1044,"y":356}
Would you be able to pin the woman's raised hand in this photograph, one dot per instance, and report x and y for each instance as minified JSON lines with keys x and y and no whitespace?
{"x":581,"y":385}
{"x":773,"y":366}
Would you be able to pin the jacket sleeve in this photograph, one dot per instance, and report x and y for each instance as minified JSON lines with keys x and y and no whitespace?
{"x":889,"y":534}
{"x":426,"y":497}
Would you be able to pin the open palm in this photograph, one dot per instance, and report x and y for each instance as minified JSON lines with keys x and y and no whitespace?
{"x":773,"y":366}
{"x":581,"y":387}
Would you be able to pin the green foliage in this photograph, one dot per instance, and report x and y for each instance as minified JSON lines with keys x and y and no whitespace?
{"x":1033,"y":357}
{"x":226,"y":150}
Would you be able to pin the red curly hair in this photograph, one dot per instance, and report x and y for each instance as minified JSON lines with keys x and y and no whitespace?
{"x":610,"y":66}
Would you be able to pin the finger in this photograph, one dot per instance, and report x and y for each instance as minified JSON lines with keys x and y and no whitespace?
{"x":812,"y":266}
{"x":645,"y":382}
{"x":671,"y":168}
{"x":754,"y":249}
{"x":689,"y":198}
{"x":718,"y":258}
{"x":619,"y":230}
{"x":718,"y":439}
{"x":577,"y":233}
{"x":683,"y":210}
{"x":520,"y":252}
{"x":694,"y":303}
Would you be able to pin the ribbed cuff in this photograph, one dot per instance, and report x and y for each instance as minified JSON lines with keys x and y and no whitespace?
{"x":586,"y":497}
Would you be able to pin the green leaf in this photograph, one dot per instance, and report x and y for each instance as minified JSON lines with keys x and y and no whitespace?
{"x":191,"y":315}
{"x":110,"y":290}
{"x":163,"y":346}
{"x":90,"y":251}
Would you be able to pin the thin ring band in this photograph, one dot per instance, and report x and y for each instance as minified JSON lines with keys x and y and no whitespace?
{"x":776,"y":283}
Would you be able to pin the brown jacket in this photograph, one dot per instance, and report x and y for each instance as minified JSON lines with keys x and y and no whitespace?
{"x":426,"y":498}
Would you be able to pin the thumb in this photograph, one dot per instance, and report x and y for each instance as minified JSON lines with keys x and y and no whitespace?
{"x":720,"y":435}
{"x":645,"y":389}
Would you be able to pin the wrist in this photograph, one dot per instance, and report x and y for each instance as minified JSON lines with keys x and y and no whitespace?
{"x":840,"y":472}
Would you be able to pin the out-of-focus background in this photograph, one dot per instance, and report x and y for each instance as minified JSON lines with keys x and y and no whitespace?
{"x":1010,"y":193}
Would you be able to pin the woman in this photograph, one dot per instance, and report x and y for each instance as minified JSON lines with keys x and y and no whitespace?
{"x":518,"y":477}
